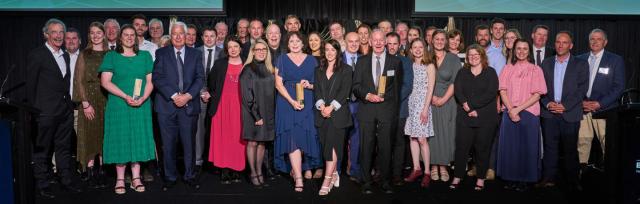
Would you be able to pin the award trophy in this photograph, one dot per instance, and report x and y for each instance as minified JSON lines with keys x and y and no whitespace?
{"x":137,"y":89}
{"x":300,"y":94}
{"x":382,"y":85}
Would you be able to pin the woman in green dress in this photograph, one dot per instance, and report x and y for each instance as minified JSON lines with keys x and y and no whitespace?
{"x":88,"y":91}
{"x":128,"y":135}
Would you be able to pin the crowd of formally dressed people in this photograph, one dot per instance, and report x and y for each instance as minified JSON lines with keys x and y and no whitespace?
{"x":379,"y":105}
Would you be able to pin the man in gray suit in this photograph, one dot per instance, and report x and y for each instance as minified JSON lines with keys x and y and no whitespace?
{"x":210,"y":54}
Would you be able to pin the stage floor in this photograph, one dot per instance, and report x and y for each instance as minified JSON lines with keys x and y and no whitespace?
{"x":281,"y":191}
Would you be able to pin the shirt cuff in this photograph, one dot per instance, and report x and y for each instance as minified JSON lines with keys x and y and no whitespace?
{"x":175,"y":94}
{"x":336,"y":105}
{"x":319,"y":104}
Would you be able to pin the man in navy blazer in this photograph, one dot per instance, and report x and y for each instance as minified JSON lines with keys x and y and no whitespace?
{"x":178,"y":77}
{"x":350,"y":56}
{"x":567,"y":80}
{"x":606,"y":83}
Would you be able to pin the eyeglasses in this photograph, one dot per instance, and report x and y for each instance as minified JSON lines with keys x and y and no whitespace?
{"x":260,"y":49}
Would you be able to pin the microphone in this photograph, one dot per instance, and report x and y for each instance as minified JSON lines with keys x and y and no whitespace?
{"x":4,"y":81}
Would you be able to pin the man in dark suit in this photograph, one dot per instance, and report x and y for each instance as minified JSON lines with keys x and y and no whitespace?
{"x":606,"y":83}
{"x":400,"y":139}
{"x":210,"y":53}
{"x":350,"y":56}
{"x":178,"y":77}
{"x":567,"y":80}
{"x":377,"y":114}
{"x":539,"y":37}
{"x":47,"y":87}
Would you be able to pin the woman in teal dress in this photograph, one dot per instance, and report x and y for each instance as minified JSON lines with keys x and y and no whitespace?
{"x":128,"y":135}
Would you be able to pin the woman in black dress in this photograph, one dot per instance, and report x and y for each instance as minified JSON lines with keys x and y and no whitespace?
{"x":332,"y":91}
{"x":257,"y":86}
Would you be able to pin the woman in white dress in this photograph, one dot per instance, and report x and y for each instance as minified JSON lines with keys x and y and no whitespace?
{"x":419,"y":123}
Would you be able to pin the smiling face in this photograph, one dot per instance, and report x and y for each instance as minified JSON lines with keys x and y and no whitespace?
{"x":378,"y":42}
{"x":497,"y":31}
{"x":454,"y":42}
{"x":273,"y":36}
{"x":509,"y":39}
{"x":256,"y":29}
{"x":336,"y":31}
{"x":209,"y":38}
{"x":155,"y":30}
{"x":385,"y":27}
{"x":96,"y":35}
{"x":482,"y":37}
{"x":314,"y":42}
{"x":112,"y":31}
{"x":71,"y":41}
{"x":260,"y":51}
{"x":330,"y":53}
{"x":473,"y":57}
{"x":141,"y":26}
{"x":402,"y":30}
{"x":353,"y":42}
{"x":439,"y":41}
{"x":295,"y":44}
{"x":127,"y":38}
{"x":233,"y":49}
{"x":413,"y":34}
{"x":292,"y":25}
{"x":178,"y":36}
{"x":417,"y":49}
{"x":540,"y":37}
{"x":563,"y":44}
{"x":522,"y":51}
{"x":363,"y":34}
{"x":55,"y":35}
{"x":243,"y":25}
{"x":597,"y":42}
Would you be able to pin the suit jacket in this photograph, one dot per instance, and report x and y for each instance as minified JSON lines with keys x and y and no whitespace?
{"x":407,"y":86}
{"x":339,"y":91}
{"x":47,"y":89}
{"x":215,"y":82}
{"x":608,"y":84}
{"x":216,"y":56}
{"x":574,"y":88}
{"x":386,"y":111}
{"x":165,"y":79}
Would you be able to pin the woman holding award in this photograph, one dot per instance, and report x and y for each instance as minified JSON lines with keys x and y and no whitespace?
{"x":332,"y":91}
{"x":227,"y":148}
{"x":128,"y":135}
{"x":296,"y":146}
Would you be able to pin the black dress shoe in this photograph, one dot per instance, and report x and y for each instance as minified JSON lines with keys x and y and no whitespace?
{"x":46,"y":193}
{"x":168,"y":184}
{"x":73,"y":188}
{"x":193,"y":183}
{"x":366,"y":189}
{"x":386,"y":188}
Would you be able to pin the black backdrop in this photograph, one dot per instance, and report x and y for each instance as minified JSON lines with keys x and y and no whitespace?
{"x":22,"y":30}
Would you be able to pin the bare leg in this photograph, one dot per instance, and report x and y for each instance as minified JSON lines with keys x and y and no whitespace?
{"x":330,"y":170}
{"x":424,"y":149}
{"x":295,"y":158}
{"x":135,"y":177}
{"x":119,"y":188}
{"x":415,"y":154}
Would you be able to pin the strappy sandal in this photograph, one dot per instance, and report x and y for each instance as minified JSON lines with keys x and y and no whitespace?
{"x":434,"y":174}
{"x":444,"y":175}
{"x":261,"y":180}
{"x":138,"y":188}
{"x":324,"y":190}
{"x":120,"y":189}
{"x":297,"y":188}
{"x":255,"y":181}
{"x":336,"y":182}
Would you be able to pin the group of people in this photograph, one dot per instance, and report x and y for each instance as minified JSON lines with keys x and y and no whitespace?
{"x":376,"y":100}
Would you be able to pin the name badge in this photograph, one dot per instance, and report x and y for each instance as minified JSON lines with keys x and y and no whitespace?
{"x":391,"y":73}
{"x":603,"y":70}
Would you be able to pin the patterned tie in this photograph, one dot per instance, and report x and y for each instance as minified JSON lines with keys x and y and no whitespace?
{"x":538,"y":60}
{"x":209,"y":60}
{"x":180,"y":70}
{"x":378,"y":70}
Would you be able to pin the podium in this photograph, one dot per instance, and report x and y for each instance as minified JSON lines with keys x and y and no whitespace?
{"x":622,"y":153}
{"x":16,"y":183}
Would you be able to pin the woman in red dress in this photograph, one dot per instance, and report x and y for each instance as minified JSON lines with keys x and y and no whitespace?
{"x":227,"y":148}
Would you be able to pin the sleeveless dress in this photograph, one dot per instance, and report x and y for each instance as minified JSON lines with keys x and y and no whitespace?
{"x":414,"y":126}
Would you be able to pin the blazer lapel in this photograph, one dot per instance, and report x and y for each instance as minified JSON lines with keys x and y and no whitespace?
{"x":569,"y":70}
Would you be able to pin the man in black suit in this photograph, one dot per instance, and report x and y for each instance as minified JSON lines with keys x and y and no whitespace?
{"x":210,"y":53}
{"x":377,"y":115}
{"x":47,"y":82}
{"x":539,"y":37}
{"x":567,"y":79}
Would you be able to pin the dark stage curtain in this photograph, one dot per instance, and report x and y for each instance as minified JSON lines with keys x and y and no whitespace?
{"x":23,"y":30}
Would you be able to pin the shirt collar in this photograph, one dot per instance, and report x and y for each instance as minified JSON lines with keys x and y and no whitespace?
{"x":55,"y":53}
{"x":76,"y":53}
{"x":205,"y":47}
{"x":597,"y":55}
{"x":181,"y":50}
{"x":565,"y":60}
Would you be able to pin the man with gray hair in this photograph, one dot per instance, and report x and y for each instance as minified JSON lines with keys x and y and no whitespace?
{"x":606,"y":83}
{"x":178,"y":77}
{"x":156,"y":30}
{"x":222,"y":29}
{"x":48,"y":81}
{"x":112,"y":30}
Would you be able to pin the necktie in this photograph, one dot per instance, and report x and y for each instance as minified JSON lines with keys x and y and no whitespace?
{"x":180,"y":70}
{"x":353,"y":63}
{"x":592,"y":65}
{"x":209,"y":60}
{"x":538,"y":60}
{"x":112,"y":47}
{"x":378,"y":70}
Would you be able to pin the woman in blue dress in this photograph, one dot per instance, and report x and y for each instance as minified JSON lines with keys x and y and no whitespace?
{"x":296,"y":144}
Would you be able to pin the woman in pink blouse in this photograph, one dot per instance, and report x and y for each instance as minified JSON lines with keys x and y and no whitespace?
{"x":521,"y":85}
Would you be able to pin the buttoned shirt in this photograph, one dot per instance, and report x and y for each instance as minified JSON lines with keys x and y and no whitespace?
{"x":594,"y":64}
{"x":374,"y":60}
{"x":559,"y":69}
{"x":149,"y":46}
{"x":496,"y":59}
{"x":72,"y":66}
{"x":59,"y":57}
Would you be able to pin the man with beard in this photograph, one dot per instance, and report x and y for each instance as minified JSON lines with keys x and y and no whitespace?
{"x":139,"y":22}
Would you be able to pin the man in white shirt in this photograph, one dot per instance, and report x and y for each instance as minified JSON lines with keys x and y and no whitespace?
{"x":139,"y":22}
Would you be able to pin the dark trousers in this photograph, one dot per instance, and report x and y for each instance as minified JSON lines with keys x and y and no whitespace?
{"x":480,"y":138}
{"x":354,"y":142}
{"x":173,"y":127}
{"x":372,"y":133}
{"x":399,"y":146}
{"x":494,"y":147}
{"x":54,"y":135}
{"x":559,"y":134}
